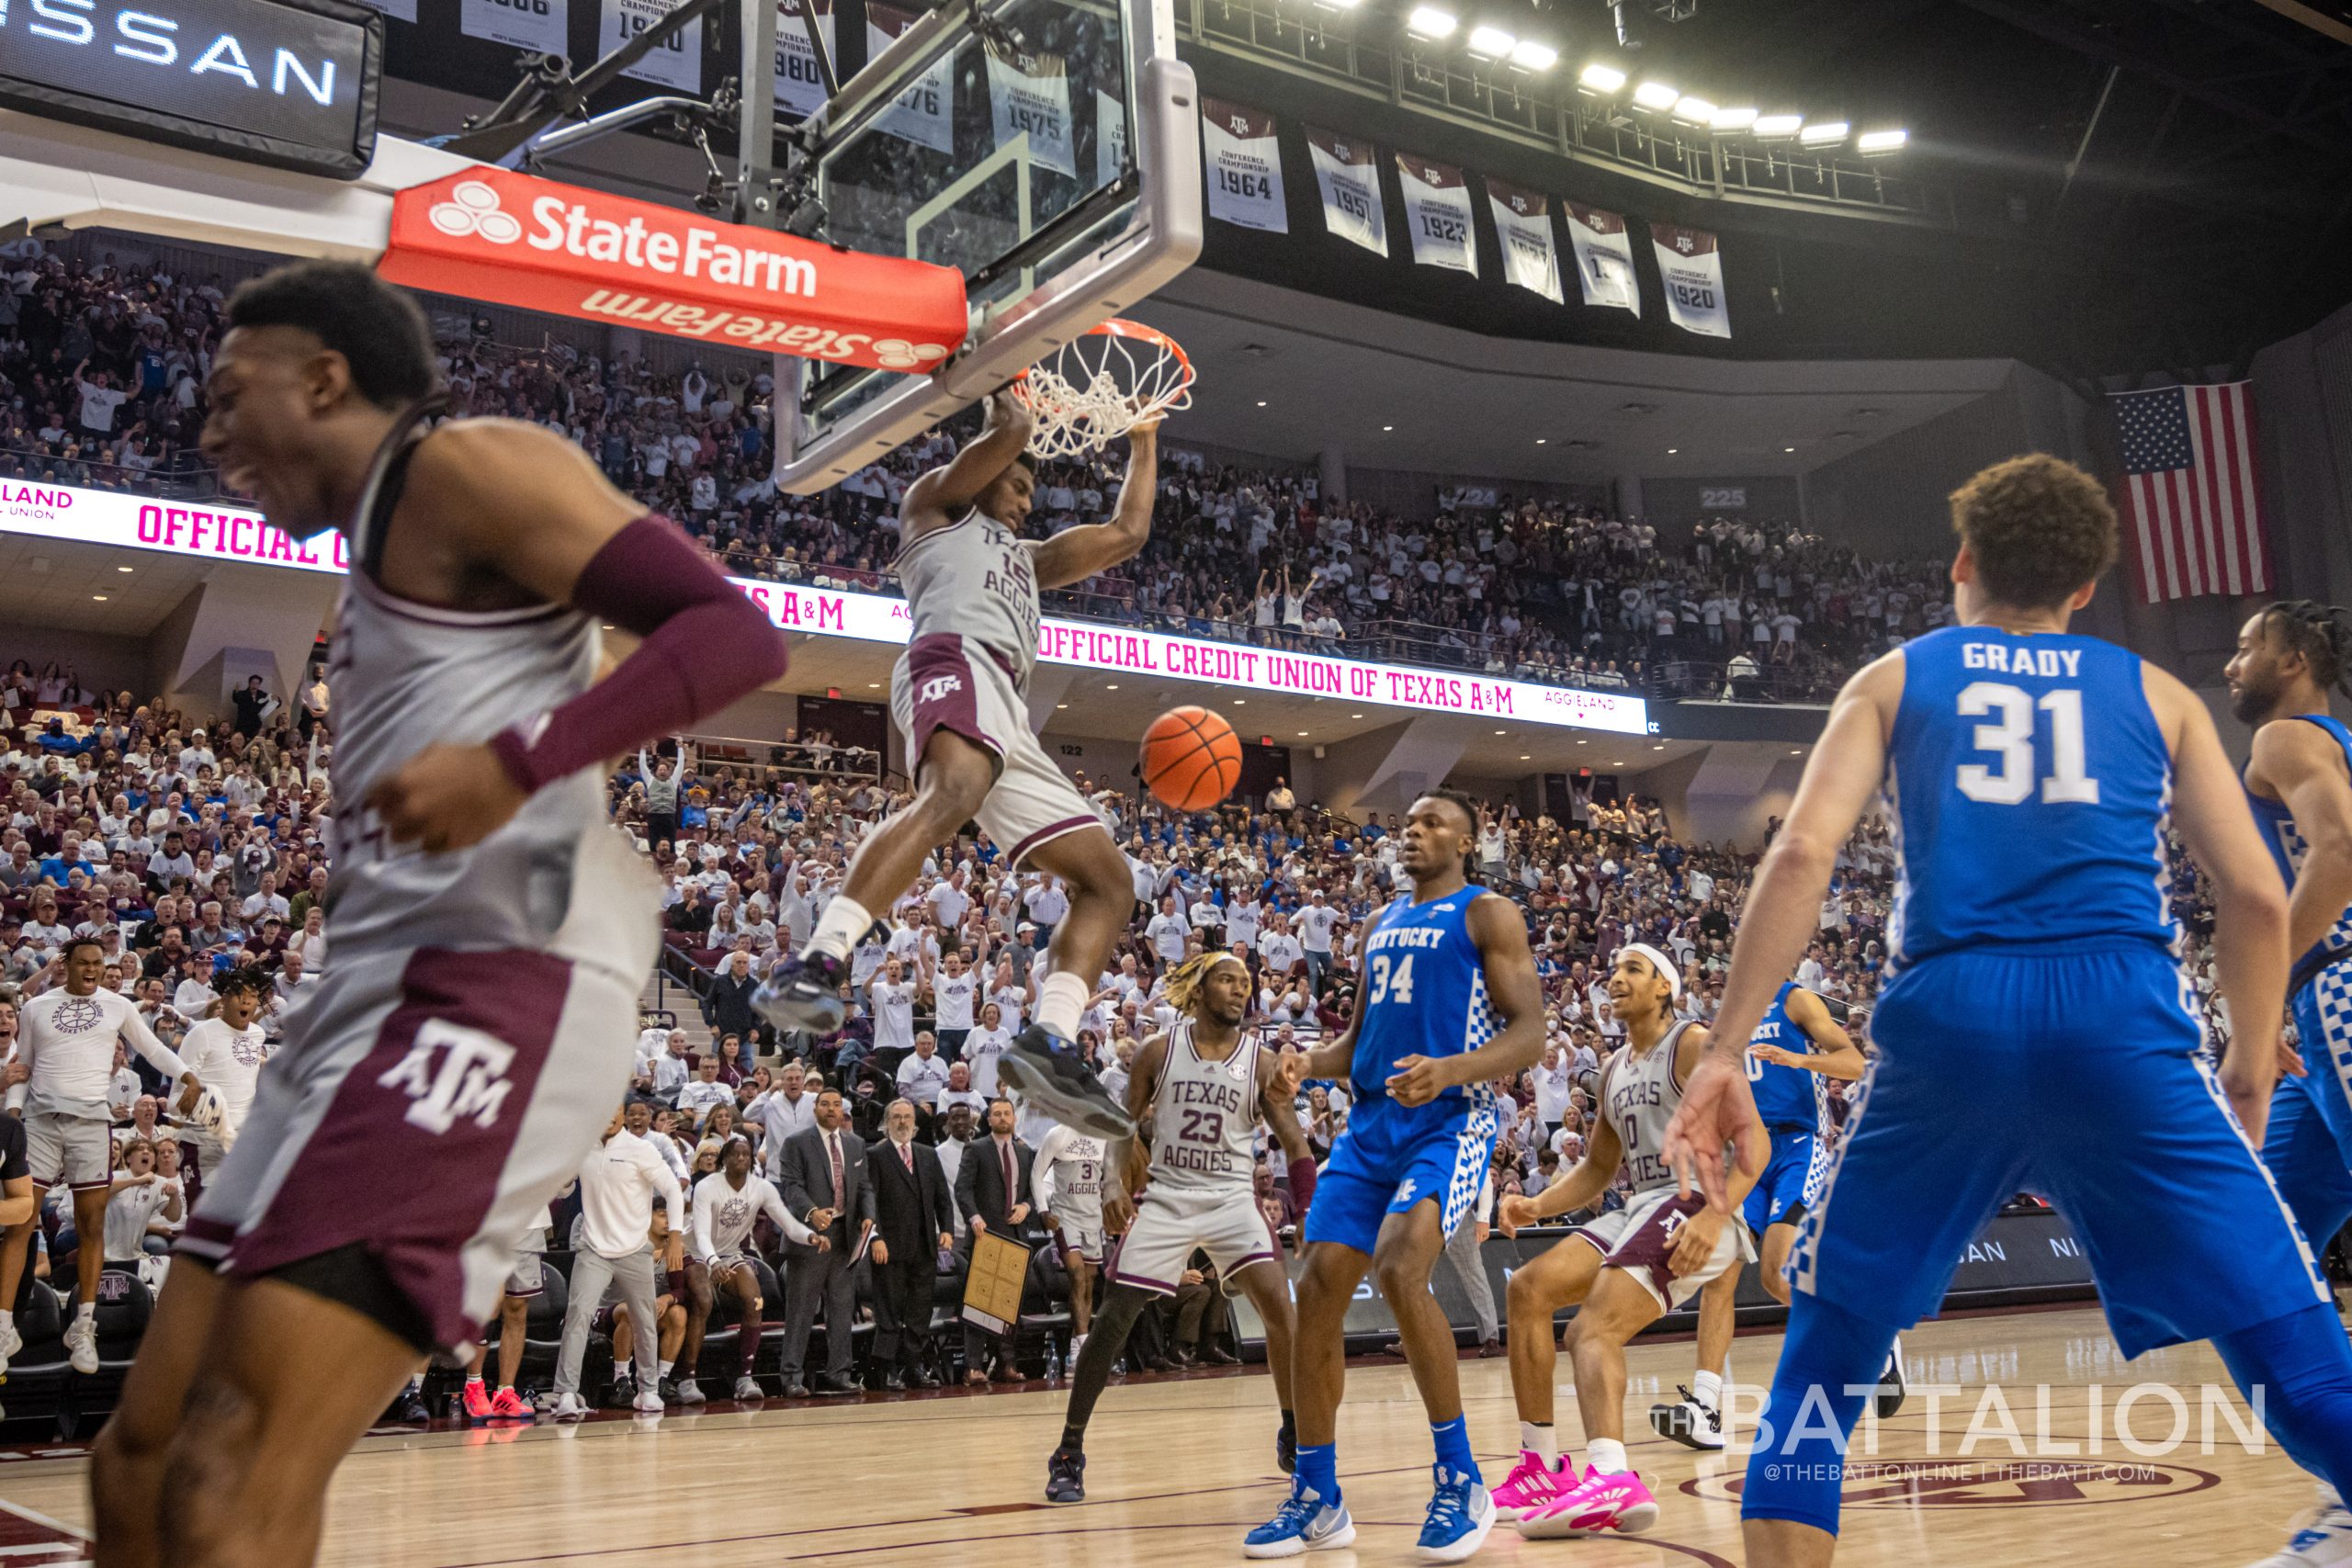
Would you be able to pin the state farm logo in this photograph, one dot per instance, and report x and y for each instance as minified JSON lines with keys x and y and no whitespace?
{"x":472,"y":209}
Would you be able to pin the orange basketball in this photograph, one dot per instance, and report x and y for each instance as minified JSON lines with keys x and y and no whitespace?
{"x":1192,"y":759}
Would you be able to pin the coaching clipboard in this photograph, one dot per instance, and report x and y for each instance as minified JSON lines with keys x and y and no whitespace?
{"x":992,"y":1290}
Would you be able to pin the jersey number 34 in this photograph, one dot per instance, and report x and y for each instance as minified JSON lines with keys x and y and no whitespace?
{"x":2009,"y":738}
{"x":1385,"y":983}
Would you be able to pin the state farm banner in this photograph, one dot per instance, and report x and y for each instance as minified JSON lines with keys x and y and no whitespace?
{"x":922,"y":114}
{"x":1604,"y":254}
{"x":1109,"y":138}
{"x":1029,"y":96}
{"x":1244,"y":166}
{"x":1437,"y":213}
{"x":224,"y":531}
{"x":1690,"y":264}
{"x":512,"y":239}
{"x":1348,"y":170}
{"x":519,"y":23}
{"x":799,"y":85}
{"x":1523,"y":229}
{"x":675,"y":61}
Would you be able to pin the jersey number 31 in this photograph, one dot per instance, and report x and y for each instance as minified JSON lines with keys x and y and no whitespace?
{"x":2009,"y":738}
{"x":1398,"y":984}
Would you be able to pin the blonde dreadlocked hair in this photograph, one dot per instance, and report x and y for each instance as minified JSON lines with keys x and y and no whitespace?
{"x":1184,"y":980}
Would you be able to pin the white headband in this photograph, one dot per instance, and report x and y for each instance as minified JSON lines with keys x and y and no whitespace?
{"x":1660,"y":962}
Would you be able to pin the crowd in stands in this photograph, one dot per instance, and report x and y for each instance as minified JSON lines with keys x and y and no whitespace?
{"x":101,"y":365}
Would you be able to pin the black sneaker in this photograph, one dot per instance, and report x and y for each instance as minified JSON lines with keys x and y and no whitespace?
{"x":1892,"y":1384}
{"x":669,"y":1387}
{"x":1286,"y":1449}
{"x":1050,"y":1074}
{"x":412,"y":1412}
{"x":1066,"y":1476}
{"x":804,"y":992}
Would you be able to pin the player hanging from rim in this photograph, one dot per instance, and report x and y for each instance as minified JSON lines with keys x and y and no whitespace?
{"x":1200,"y":1091}
{"x":1066,"y":1191}
{"x":727,"y":1203}
{"x":226,"y":1053}
{"x":492,"y":928}
{"x":1799,"y":1047}
{"x":1622,"y":1270}
{"x":959,"y":694}
{"x":1446,"y":1002}
{"x":66,"y":1038}
{"x":2299,"y":778}
{"x":2033,"y":774}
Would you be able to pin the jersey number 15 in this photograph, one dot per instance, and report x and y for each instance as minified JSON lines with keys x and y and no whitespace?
{"x":2009,"y":738}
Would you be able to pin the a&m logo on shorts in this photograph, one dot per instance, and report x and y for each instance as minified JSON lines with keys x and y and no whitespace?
{"x":938,"y":686}
{"x":470,"y":1079}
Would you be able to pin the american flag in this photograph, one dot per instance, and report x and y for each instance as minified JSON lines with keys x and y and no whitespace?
{"x":2192,"y":495}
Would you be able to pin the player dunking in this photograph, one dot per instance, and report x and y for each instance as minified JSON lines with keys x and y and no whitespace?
{"x":1799,"y":1047}
{"x":1622,"y":1270}
{"x":1203,"y":1086}
{"x":2033,"y":773}
{"x":1446,"y":1002}
{"x":959,"y":694}
{"x":2290,"y":656}
{"x":465,"y":1050}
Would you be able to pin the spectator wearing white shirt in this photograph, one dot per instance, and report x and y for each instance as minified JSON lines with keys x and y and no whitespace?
{"x":958,"y":1090}
{"x":893,"y":998}
{"x":1315,"y":924}
{"x":1166,"y":932}
{"x":923,"y":1075}
{"x":954,"y":991}
{"x":1047,"y":905}
{"x":620,"y":1180}
{"x":784,"y":1110}
{"x":1279,"y":953}
{"x":702,"y":1091}
{"x":982,"y":1048}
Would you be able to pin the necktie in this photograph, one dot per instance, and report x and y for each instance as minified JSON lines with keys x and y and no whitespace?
{"x":907,"y":1157}
{"x":833,"y":1150}
{"x":1005,"y":1150}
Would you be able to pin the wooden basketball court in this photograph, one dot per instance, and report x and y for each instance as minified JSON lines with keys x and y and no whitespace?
{"x":1181,"y":1466}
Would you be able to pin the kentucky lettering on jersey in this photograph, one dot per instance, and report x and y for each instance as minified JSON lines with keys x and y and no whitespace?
{"x":1786,"y":1096}
{"x":1424,"y":990}
{"x":2289,"y":847}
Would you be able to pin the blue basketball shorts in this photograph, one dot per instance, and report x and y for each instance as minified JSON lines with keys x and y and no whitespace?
{"x":1790,"y":1182}
{"x":2073,"y":1075}
{"x":1391,"y":1159}
{"x":2308,"y":1144}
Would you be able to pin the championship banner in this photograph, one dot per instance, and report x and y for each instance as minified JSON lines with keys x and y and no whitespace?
{"x":1029,"y":95}
{"x":222,"y":531}
{"x":1604,"y":254}
{"x":799,"y":85}
{"x":1437,"y":213}
{"x":1348,"y":173}
{"x":676,"y":61}
{"x":921,"y":115}
{"x":1690,"y":264}
{"x":1244,"y":165}
{"x":511,"y":239}
{"x":520,"y":24}
{"x":1110,"y":137}
{"x":1524,"y":232}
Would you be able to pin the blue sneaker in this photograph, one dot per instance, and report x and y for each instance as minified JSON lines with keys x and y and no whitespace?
{"x":1304,"y":1523}
{"x":1461,"y":1514}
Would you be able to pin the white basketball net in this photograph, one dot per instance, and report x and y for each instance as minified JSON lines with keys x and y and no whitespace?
{"x":1095,"y":387}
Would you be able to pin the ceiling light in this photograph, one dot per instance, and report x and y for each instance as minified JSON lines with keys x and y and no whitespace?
{"x":1241,"y":701}
{"x":1772,"y":127}
{"x":1829,"y":134}
{"x":1657,"y":96}
{"x":1538,"y":441}
{"x":1491,"y":42}
{"x":1429,"y":22}
{"x":1338,"y":5}
{"x":1387,"y":427}
{"x":874,"y":685}
{"x":1787,"y":448}
{"x":1261,"y":402}
{"x":1694,"y":110}
{"x":1672,"y":450}
{"x":1501,"y":732}
{"x":1302,"y":732}
{"x":1356,"y":715}
{"x":1579,"y":742}
{"x":1659,"y":747}
{"x":100,"y":597}
{"x":1599,"y":78}
{"x":1525,"y":757}
{"x":122,"y":569}
{"x":1061,"y":705}
{"x":1529,"y":55}
{"x":1796,"y":750}
{"x":1113,"y":686}
{"x":1732,"y":119}
{"x":1883,"y":140}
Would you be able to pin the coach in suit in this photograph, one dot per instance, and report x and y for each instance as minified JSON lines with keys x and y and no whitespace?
{"x":826,"y":1185}
{"x":917,"y":1221}
{"x":990,"y":1182}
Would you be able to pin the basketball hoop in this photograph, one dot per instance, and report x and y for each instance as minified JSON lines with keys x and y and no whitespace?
{"x":1099,"y":384}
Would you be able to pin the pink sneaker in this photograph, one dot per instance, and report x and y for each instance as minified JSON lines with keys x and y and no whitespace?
{"x":1532,"y":1483}
{"x":1598,"y":1503}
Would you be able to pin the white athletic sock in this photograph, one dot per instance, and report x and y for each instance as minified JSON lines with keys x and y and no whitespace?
{"x":473,"y":1380}
{"x":665,"y":1368}
{"x":844,"y":920}
{"x":1708,"y":1390}
{"x":1060,"y":999}
{"x":87,"y":1309}
{"x":1606,"y":1455}
{"x":1541,"y":1439}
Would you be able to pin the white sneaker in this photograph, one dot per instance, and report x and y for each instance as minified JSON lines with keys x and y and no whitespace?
{"x":748,"y":1388}
{"x":10,"y":1341}
{"x":689,"y":1392}
{"x":1689,"y":1422}
{"x":648,"y":1402}
{"x":2325,"y":1542}
{"x":569,"y":1407}
{"x":82,"y":1344}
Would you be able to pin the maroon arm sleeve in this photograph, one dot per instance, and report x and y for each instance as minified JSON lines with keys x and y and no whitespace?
{"x":704,"y":645}
{"x":1301,"y":1184}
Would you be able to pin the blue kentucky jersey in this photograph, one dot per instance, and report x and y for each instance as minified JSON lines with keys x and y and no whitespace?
{"x":2031,"y":788}
{"x":1424,"y":994}
{"x":2287,"y":845}
{"x":1787,"y":1096}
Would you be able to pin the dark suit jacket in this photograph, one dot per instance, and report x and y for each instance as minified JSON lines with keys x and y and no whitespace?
{"x":808,"y":1182}
{"x":979,"y":1184}
{"x":914,"y":1211}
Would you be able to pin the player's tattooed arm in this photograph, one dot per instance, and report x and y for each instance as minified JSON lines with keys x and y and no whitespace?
{"x":1130,"y":1157}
